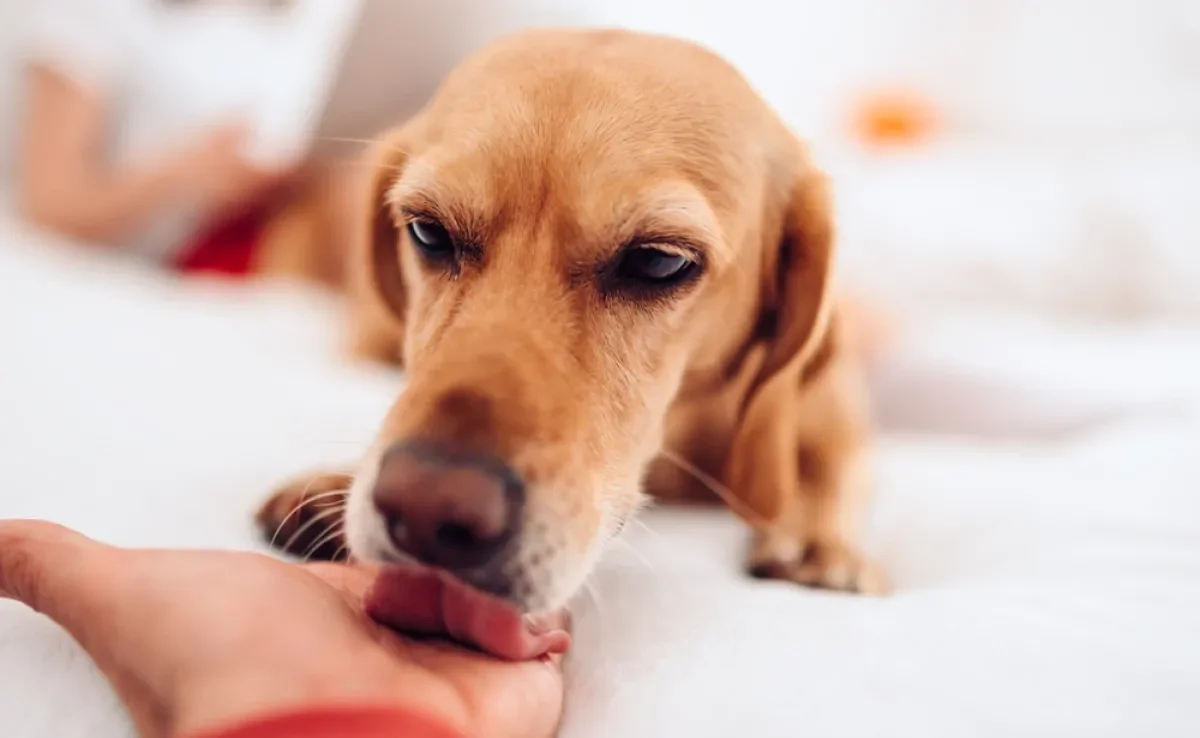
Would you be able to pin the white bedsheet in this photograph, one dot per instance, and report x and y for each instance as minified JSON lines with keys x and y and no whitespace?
{"x":1044,"y":587}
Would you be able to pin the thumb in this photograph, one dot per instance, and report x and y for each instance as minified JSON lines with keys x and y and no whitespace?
{"x":42,"y":565}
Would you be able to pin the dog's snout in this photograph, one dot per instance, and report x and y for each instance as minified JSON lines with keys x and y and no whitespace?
{"x":448,"y":508}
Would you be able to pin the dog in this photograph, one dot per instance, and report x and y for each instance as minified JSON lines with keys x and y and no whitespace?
{"x":607,"y":268}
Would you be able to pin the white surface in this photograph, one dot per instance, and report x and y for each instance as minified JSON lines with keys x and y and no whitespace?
{"x":1045,"y":587}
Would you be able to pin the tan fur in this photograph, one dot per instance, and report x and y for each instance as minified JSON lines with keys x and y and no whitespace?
{"x":548,"y":152}
{"x":304,"y":239}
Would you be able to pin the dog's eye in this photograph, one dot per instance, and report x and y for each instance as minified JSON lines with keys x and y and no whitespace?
{"x":431,"y":238}
{"x":654,"y":266}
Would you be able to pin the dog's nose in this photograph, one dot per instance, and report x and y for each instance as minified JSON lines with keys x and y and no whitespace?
{"x":447,"y":508}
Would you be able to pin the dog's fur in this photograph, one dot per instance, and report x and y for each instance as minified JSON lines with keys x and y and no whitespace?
{"x":303,"y":240}
{"x":545,"y":155}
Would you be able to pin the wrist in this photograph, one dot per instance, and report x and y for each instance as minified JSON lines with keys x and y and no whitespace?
{"x":366,"y":720}
{"x":209,"y":704}
{"x":173,"y":181}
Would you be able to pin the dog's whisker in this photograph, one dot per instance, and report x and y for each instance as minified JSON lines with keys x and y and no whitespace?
{"x":328,"y":475}
{"x":641,"y":557}
{"x":593,"y":594}
{"x":716,"y":487}
{"x":344,"y":139}
{"x":304,"y":500}
{"x":366,"y":142}
{"x":646,"y":527}
{"x":325,"y":515}
{"x":331,"y":535}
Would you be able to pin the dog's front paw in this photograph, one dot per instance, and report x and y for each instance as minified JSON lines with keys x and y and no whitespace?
{"x":822,"y":565}
{"x":304,"y":517}
{"x":839,"y":567}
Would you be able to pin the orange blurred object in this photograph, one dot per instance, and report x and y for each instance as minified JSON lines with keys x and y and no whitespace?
{"x":894,"y":118}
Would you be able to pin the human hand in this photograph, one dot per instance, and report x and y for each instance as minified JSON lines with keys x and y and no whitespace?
{"x":215,"y":170}
{"x":193,"y":640}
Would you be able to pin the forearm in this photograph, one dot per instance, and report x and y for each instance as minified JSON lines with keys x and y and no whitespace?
{"x":66,"y":181}
{"x":337,"y":722}
{"x":105,"y":207}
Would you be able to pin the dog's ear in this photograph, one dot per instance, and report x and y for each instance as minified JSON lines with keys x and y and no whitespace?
{"x":796,"y":299}
{"x":376,"y":289}
{"x":798,"y":272}
{"x":382,"y":239}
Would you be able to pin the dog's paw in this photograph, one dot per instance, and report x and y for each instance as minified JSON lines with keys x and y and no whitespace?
{"x":821,"y":565}
{"x":304,"y":517}
{"x":839,"y":567}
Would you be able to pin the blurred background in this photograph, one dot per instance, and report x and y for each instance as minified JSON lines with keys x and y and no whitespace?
{"x":1040,"y":151}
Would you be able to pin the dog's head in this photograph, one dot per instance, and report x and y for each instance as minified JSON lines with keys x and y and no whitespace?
{"x":577,"y":222}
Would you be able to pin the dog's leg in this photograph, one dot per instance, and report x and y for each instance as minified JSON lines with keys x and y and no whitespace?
{"x":816,"y":457}
{"x":816,"y":542}
{"x":304,"y":517}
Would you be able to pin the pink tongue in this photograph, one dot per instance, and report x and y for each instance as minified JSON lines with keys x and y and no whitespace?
{"x":417,"y":599}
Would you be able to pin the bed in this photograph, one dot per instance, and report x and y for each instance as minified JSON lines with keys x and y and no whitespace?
{"x":1047,"y":565}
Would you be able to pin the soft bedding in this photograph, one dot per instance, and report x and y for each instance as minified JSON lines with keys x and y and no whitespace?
{"x":1044,"y":542}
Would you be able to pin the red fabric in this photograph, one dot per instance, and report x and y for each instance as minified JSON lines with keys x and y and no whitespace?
{"x":228,"y":246}
{"x":338,"y":722}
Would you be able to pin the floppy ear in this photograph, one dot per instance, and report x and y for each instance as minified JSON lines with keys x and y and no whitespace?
{"x":376,"y":284}
{"x":384,"y":235}
{"x":796,"y":297}
{"x":798,"y":273}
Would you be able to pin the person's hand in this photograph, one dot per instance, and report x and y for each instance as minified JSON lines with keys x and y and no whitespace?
{"x":214,"y":170}
{"x":196,"y":639}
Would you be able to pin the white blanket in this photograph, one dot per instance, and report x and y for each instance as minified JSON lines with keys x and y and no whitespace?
{"x":1046,"y":586}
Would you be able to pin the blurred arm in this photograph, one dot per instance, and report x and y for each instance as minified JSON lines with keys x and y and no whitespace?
{"x":64,"y":182}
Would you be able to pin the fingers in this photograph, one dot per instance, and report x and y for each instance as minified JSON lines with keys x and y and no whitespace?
{"x":40,"y":563}
{"x":53,"y":570}
{"x":412,"y":599}
{"x":526,"y":697}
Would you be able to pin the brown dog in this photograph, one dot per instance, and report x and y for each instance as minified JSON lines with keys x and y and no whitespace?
{"x":605,"y":264}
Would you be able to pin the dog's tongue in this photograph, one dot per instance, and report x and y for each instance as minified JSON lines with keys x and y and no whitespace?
{"x":417,"y":599}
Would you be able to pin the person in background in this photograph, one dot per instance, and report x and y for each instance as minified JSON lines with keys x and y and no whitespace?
{"x":132,"y":138}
